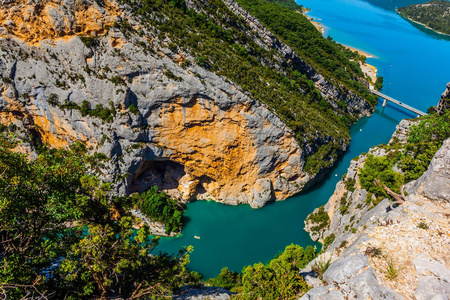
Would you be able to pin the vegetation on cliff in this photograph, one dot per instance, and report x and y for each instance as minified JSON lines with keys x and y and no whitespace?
{"x":221,"y":42}
{"x":159,"y":207}
{"x":61,"y":238}
{"x":329,"y":58}
{"x":291,"y":4}
{"x":412,"y":158}
{"x":434,"y":14}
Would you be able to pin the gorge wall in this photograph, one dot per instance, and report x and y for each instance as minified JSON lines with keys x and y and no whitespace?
{"x":69,"y":73}
{"x":444,"y":102}
{"x":378,"y":251}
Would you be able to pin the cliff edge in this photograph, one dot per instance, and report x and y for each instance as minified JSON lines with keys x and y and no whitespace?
{"x":377,"y":250}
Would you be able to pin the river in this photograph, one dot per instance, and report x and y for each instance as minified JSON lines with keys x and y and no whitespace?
{"x":415,"y":66}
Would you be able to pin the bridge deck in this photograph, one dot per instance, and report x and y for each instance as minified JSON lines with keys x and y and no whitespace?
{"x":418,"y":112}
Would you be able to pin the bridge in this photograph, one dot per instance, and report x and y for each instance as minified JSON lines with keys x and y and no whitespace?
{"x":387,"y":98}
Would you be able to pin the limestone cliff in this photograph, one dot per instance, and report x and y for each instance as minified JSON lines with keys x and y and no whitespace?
{"x":380,"y":252}
{"x":444,"y":102}
{"x":89,"y":71}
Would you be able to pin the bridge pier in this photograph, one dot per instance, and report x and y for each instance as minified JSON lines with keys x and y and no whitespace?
{"x":384,"y":102}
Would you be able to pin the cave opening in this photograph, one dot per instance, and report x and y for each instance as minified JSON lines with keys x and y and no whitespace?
{"x":164,"y":174}
{"x":171,"y":177}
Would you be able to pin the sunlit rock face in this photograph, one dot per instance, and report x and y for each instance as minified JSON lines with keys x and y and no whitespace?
{"x":33,"y":20}
{"x":185,"y":129}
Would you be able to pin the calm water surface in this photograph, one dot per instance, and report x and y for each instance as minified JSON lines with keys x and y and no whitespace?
{"x":415,"y":66}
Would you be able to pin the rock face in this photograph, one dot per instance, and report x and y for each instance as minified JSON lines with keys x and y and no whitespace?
{"x":186,"y":130}
{"x":413,"y":238}
{"x":88,"y":71}
{"x":444,"y":102}
{"x":202,"y":293}
{"x":34,"y":21}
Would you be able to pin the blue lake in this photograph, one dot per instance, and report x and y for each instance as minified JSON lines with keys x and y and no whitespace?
{"x":415,"y":66}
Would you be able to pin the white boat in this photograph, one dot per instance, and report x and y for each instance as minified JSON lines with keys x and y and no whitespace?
{"x":196,"y":237}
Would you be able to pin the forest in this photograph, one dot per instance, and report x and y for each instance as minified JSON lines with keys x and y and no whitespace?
{"x":434,"y":14}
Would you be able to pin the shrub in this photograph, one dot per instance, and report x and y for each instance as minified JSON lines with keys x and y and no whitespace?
{"x":280,"y":278}
{"x":320,"y":266}
{"x":159,"y":207}
{"x":327,"y":241}
{"x":390,"y":271}
{"x":423,"y":225}
{"x":372,"y":251}
{"x":226,"y":279}
{"x":133,"y":109}
{"x":53,"y":99}
{"x":320,"y":217}
{"x":89,"y":41}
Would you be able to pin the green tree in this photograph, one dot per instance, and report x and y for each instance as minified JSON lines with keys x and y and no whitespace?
{"x":58,"y":237}
{"x":379,"y":83}
{"x":280,"y":278}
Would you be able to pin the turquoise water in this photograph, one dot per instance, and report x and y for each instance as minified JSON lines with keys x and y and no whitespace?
{"x":415,"y":66}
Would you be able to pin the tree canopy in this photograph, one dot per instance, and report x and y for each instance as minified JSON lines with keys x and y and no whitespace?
{"x":60,"y":237}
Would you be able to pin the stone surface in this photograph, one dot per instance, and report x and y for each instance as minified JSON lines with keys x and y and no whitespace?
{"x":33,"y":21}
{"x":367,"y":286}
{"x":323,"y":293}
{"x":420,"y":256}
{"x":430,"y":287}
{"x":202,"y":293}
{"x":433,"y":182}
{"x":444,"y":102}
{"x":346,"y":267}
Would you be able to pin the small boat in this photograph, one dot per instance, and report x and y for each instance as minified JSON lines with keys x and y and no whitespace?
{"x":196,"y":237}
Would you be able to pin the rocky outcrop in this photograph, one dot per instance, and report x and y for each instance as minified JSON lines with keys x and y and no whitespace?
{"x":184,"y":129}
{"x":444,"y":102}
{"x":33,"y":21}
{"x":434,"y":182}
{"x":377,"y":252}
{"x":202,"y":293}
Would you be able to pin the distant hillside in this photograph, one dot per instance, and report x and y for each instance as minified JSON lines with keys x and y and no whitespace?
{"x":434,"y":14}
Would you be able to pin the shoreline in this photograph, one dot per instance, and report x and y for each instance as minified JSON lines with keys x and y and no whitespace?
{"x":362,"y":52}
{"x":319,"y":26}
{"x":369,"y":70}
{"x":417,"y":22}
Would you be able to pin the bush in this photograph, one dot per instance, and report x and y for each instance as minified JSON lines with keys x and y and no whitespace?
{"x":320,"y":218}
{"x":226,"y":279}
{"x":159,"y":207}
{"x":327,"y":241}
{"x":133,"y":109}
{"x":280,"y":278}
{"x":89,"y":41}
